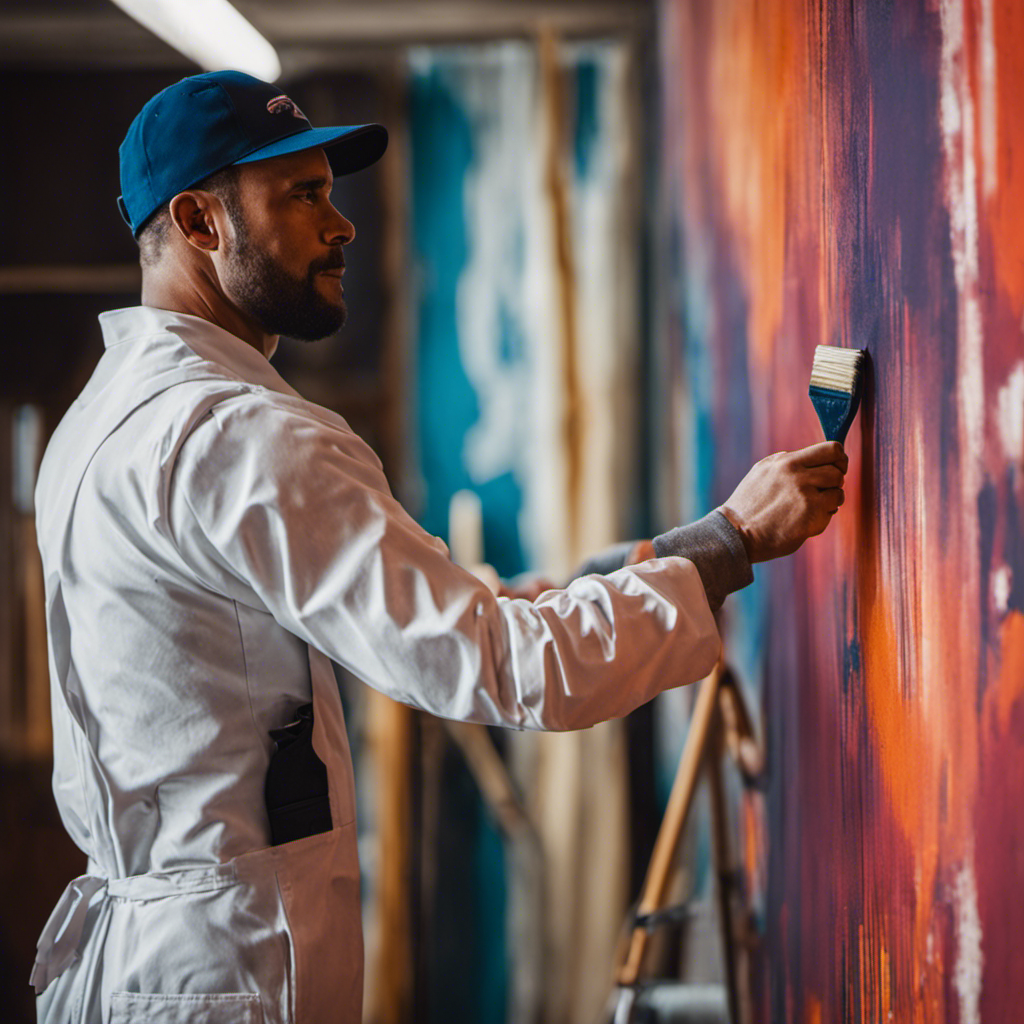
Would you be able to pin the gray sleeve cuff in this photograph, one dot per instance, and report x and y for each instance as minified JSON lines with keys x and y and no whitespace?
{"x":714,"y":545}
{"x":606,"y":561}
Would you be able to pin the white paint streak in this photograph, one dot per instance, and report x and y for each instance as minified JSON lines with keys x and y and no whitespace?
{"x":1010,"y":415}
{"x":967,"y":968}
{"x":496,"y":93}
{"x":957,"y":118}
{"x":1002,"y":585}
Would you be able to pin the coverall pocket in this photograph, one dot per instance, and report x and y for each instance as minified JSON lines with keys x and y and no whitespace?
{"x":223,"y":1008}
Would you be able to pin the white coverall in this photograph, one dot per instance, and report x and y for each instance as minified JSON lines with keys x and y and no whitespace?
{"x":209,"y":540}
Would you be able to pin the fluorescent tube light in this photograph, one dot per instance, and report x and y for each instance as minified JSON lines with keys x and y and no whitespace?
{"x":210,"y":32}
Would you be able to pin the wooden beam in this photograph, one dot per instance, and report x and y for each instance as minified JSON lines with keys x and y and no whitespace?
{"x":390,"y":727}
{"x":412,"y":21}
{"x":113,"y":279}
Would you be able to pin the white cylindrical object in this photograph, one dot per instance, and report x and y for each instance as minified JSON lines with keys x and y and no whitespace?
{"x":466,"y":528}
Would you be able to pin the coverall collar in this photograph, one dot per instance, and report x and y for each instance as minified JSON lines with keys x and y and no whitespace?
{"x":205,"y":339}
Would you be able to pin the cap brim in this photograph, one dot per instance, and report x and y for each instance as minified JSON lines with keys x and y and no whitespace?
{"x":348,"y":149}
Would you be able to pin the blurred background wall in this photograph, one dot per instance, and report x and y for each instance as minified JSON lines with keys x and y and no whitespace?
{"x":587,"y":283}
{"x":494,"y":344}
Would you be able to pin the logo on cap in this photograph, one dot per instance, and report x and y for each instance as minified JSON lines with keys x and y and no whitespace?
{"x":283,"y":105}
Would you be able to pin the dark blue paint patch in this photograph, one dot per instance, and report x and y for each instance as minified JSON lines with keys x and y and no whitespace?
{"x":490,"y":869}
{"x":587,"y":128}
{"x":853,"y":660}
{"x":699,"y":383}
{"x":501,"y":498}
{"x":988,"y":510}
{"x":1014,"y":546}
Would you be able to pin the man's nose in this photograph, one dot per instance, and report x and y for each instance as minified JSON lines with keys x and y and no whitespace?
{"x":341,"y":229}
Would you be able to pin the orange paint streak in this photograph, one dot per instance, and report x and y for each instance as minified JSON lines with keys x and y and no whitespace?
{"x":755,"y":846}
{"x":886,"y":993}
{"x":919,"y":642}
{"x":812,"y":1010}
{"x":758,"y":88}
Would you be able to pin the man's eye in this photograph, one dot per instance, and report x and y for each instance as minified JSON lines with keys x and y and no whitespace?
{"x":308,"y":196}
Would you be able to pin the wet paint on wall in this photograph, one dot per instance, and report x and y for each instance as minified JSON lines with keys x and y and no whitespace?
{"x":854,"y":175}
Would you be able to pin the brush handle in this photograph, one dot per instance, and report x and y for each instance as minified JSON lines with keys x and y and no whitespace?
{"x":835,"y":410}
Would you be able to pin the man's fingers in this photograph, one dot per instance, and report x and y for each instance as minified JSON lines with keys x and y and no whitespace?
{"x":822,"y":454}
{"x":828,"y":505}
{"x":824,"y":477}
{"x":832,"y":498}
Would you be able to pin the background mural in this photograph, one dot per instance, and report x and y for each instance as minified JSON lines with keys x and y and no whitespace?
{"x":853,"y":174}
{"x":523,"y":222}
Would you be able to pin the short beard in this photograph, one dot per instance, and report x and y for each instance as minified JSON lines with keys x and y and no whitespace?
{"x":277,"y":301}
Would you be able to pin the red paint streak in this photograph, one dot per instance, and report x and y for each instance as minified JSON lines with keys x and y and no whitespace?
{"x":1003,"y":210}
{"x":999,"y":828}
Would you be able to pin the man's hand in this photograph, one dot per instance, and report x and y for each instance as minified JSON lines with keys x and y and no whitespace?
{"x":786,"y":498}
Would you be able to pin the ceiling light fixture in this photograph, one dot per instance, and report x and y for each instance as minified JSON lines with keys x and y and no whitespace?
{"x":210,"y":32}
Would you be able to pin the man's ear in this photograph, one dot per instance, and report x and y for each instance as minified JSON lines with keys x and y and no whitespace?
{"x":195,"y":215}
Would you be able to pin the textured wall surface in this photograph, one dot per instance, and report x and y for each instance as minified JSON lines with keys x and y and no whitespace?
{"x":853,"y":174}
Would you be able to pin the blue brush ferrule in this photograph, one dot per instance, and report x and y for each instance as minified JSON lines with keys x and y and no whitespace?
{"x":835,"y":409}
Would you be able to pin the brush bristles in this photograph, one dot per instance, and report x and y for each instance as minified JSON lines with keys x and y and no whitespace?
{"x":837,"y":368}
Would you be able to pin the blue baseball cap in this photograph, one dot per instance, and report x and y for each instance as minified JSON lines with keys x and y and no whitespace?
{"x":205,"y":123}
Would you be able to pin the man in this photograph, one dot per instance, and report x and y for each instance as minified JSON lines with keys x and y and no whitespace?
{"x":210,"y":540}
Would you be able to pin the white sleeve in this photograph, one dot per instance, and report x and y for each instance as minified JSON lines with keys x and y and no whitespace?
{"x":273,"y":499}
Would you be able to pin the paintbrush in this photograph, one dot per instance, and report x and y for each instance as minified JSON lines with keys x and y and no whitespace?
{"x":836,"y":379}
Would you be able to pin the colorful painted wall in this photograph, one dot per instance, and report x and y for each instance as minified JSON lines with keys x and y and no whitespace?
{"x":853,"y":174}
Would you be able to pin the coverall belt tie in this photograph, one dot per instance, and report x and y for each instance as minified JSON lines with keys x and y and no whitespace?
{"x":58,"y":944}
